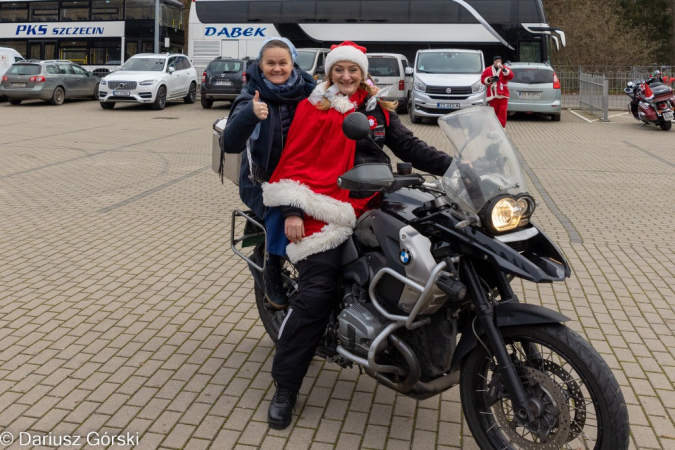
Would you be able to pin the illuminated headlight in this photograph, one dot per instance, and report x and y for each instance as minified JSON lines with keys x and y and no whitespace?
{"x":477,"y":87}
{"x":505,"y":214}
{"x":419,"y":86}
{"x":147,"y":82}
{"x":103,"y":82}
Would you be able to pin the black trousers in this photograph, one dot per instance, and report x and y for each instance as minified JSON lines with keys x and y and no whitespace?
{"x":307,"y":317}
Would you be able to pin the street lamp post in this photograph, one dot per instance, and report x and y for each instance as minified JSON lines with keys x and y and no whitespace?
{"x":156,"y":26}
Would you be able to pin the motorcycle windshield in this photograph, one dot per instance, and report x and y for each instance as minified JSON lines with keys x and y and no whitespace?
{"x":484,"y":162}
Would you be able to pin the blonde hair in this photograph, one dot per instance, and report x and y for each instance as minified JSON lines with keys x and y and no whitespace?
{"x":324,"y":104}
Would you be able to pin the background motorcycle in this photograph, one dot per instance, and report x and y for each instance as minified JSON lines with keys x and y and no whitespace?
{"x":426,"y":301}
{"x":652,"y":102}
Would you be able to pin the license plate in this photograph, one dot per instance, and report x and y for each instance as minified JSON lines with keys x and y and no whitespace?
{"x":121,"y":93}
{"x":530,"y":95}
{"x":668,"y":116}
{"x":448,"y":106}
{"x":223,"y":83}
{"x":17,"y":85}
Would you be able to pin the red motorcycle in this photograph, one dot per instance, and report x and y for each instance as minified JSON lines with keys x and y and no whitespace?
{"x":652,"y":101}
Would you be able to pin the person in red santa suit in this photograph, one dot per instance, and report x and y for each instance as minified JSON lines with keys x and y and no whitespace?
{"x":496,"y":78}
{"x":320,"y":216}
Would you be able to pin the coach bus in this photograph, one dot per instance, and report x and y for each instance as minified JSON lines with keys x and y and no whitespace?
{"x":89,"y":32}
{"x":516,"y":30}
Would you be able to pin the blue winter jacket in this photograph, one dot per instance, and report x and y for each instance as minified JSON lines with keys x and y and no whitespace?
{"x":267,"y":147}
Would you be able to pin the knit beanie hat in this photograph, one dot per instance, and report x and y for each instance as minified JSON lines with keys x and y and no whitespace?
{"x":496,"y":58}
{"x":347,"y":51}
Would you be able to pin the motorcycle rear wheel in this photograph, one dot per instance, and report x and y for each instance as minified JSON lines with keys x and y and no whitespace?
{"x":581,"y":405}
{"x":273,"y":318}
{"x":666,"y":125}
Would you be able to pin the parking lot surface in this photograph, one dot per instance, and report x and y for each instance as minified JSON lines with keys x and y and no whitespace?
{"x":123,"y":310}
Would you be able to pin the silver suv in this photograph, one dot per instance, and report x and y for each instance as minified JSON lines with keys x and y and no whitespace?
{"x":446,"y":80}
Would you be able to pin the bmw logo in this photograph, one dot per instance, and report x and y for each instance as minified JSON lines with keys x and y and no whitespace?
{"x":404,"y":256}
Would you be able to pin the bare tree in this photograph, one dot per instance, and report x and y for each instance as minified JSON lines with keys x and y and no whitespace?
{"x":597,"y":35}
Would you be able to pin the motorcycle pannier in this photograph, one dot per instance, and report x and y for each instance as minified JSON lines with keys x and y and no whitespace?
{"x":231,"y":162}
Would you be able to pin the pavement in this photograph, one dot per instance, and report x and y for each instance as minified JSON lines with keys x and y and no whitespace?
{"x":123,"y":311}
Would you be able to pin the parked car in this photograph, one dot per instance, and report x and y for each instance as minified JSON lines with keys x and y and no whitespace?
{"x":391,"y":70}
{"x":150,"y":78}
{"x":223,"y":79}
{"x":446,"y":80}
{"x":53,"y":81}
{"x":312,"y":60}
{"x":535,"y":88}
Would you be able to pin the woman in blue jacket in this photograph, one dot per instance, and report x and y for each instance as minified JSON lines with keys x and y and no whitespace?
{"x":258,"y":125}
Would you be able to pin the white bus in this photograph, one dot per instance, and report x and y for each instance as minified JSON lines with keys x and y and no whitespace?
{"x":517,"y":30}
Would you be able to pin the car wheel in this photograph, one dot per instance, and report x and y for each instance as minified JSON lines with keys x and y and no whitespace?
{"x":192,"y":94}
{"x":15,"y":102}
{"x":107,"y":105}
{"x":160,"y":100}
{"x":206,"y":103}
{"x":411,"y":113}
{"x":95,"y":96}
{"x":555,"y":117}
{"x":58,"y":97}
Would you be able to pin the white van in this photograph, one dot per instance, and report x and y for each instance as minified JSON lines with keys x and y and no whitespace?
{"x":312,"y":60}
{"x":446,"y":80}
{"x":8,"y":56}
{"x":392,"y":70}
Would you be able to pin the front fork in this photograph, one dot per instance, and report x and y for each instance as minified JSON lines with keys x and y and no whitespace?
{"x":486,"y":315}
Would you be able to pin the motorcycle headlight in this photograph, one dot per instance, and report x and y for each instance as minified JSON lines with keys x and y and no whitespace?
{"x":504,"y":215}
{"x":419,"y":86}
{"x":527,"y":207}
{"x":477,"y":87}
{"x":147,"y":82}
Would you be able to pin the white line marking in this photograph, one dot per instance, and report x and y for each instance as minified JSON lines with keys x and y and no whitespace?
{"x":581,"y":117}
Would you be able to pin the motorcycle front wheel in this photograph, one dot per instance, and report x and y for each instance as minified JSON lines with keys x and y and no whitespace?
{"x":576,"y":400}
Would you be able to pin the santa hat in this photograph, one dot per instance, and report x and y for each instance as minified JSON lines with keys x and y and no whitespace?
{"x":347,"y":51}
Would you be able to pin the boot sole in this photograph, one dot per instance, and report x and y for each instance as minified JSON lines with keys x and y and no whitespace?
{"x":275,"y":425}
{"x":274,"y":305}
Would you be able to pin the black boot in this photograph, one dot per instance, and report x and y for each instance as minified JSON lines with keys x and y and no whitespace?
{"x":279,"y":416}
{"x":274,"y":289}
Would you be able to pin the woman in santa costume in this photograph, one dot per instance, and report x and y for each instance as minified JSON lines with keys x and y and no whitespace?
{"x":320,"y":216}
{"x":496,"y":78}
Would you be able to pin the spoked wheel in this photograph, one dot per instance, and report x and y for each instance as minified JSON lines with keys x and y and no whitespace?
{"x":273,"y":318}
{"x":576,"y":401}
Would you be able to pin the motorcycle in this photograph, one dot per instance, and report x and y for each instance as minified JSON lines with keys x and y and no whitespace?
{"x":426,"y":301}
{"x":652,"y":101}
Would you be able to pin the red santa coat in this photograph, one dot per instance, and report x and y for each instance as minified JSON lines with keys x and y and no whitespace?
{"x":499,"y":86}
{"x":316,"y":153}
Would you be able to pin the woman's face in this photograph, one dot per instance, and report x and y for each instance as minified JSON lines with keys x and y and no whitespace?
{"x":277,"y":65}
{"x":347,"y":76}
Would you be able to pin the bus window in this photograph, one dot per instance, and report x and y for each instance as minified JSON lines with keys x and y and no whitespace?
{"x":529,"y":52}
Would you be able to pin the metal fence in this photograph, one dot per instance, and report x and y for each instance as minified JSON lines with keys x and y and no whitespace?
{"x":593,"y":94}
{"x":617,"y":77}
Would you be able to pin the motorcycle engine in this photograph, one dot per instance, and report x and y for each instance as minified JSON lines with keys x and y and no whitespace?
{"x":359,"y":325}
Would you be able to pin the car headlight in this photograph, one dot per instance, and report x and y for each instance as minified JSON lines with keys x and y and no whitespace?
{"x":147,"y":82}
{"x":505,"y":214}
{"x":419,"y":86}
{"x":103,"y":83}
{"x":477,"y":87}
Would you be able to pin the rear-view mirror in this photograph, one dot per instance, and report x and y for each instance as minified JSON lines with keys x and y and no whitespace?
{"x":408,"y":71}
{"x":356,"y":126}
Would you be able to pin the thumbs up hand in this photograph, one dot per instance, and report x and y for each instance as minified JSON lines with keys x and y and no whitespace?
{"x":259,"y":107}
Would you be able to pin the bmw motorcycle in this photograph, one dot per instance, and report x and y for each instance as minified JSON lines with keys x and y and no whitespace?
{"x":652,"y":101}
{"x":427,"y":304}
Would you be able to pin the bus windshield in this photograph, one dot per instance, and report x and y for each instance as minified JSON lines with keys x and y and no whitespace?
{"x":305,"y":59}
{"x":144,"y":65}
{"x":449,"y":62}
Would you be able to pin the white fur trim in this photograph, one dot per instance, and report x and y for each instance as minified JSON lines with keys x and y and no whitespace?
{"x":330,"y":236}
{"x":347,"y":53}
{"x":321,"y":207}
{"x":338,"y":102}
